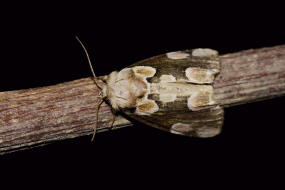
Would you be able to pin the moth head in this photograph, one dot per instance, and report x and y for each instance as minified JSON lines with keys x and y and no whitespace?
{"x":123,"y":88}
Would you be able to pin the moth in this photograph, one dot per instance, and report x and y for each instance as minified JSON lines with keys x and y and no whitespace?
{"x":172,"y":92}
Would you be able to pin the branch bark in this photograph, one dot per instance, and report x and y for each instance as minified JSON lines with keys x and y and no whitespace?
{"x":38,"y":116}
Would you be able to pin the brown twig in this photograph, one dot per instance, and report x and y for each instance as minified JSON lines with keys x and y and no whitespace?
{"x":38,"y":116}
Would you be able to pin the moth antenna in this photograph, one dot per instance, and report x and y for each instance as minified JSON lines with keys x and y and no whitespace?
{"x":93,"y":73}
{"x":89,"y":61}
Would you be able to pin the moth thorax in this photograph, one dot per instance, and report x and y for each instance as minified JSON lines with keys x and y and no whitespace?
{"x":124,"y":88}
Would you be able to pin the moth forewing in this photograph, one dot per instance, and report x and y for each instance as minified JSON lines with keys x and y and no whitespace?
{"x":172,"y":92}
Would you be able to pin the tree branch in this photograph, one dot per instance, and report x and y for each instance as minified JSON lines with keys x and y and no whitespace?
{"x":38,"y":116}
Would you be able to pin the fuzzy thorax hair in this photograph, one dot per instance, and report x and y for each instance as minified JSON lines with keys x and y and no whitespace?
{"x":123,"y":88}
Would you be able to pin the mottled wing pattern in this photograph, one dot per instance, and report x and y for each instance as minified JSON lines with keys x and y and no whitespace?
{"x":203,"y":123}
{"x":182,"y":93}
{"x":178,"y":62}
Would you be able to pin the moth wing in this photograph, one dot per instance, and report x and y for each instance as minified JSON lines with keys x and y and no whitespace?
{"x":196,"y":65}
{"x":204,"y":123}
{"x":191,"y":71}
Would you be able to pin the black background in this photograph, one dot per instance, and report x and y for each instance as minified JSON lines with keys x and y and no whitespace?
{"x":38,"y":48}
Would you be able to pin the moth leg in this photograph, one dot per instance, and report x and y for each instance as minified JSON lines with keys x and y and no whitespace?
{"x":96,"y":122}
{"x":113,"y":120}
{"x":201,"y":100}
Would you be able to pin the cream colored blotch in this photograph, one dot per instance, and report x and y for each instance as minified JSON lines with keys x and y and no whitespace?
{"x":204,"y":52}
{"x":167,"y":78}
{"x":177,"y":55}
{"x":200,"y":100}
{"x":144,"y":71}
{"x":147,"y":107}
{"x":181,"y":128}
{"x":165,"y":98}
{"x":200,"y":76}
